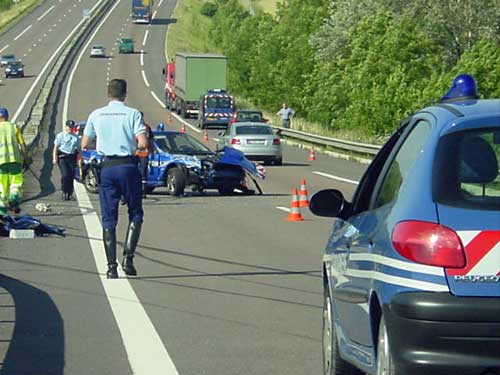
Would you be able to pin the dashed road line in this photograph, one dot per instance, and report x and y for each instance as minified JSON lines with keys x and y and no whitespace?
{"x":144,"y":40}
{"x":161,"y":2}
{"x":4,"y":48}
{"x":46,"y":12}
{"x":327,"y":175}
{"x":142,"y":58}
{"x":144,"y":78}
{"x":154,"y":14}
{"x":185,"y":122}
{"x":22,"y":32}
{"x":47,"y":64}
{"x":157,"y":99}
{"x":281,"y":208}
{"x":145,"y":350}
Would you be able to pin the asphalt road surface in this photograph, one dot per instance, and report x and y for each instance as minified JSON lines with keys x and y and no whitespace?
{"x":225,"y":285}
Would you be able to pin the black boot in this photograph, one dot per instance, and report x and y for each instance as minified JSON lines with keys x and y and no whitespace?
{"x":109,"y":238}
{"x":144,"y":190}
{"x":133,"y":233}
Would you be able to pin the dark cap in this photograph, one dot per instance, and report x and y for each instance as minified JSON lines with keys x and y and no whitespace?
{"x":4,"y":113}
{"x":70,"y":123}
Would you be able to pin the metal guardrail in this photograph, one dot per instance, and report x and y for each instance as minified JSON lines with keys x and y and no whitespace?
{"x":341,"y":144}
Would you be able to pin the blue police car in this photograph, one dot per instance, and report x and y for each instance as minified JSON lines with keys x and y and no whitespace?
{"x":411,"y":272}
{"x":178,"y":161}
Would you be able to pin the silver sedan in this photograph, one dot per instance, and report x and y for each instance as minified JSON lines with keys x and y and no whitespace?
{"x":98,"y":51}
{"x":258,"y":141}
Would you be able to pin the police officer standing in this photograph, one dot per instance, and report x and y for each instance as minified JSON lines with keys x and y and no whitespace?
{"x":64,"y":155}
{"x":119,"y":132}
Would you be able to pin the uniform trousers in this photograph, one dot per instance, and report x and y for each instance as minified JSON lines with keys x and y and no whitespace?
{"x":115,"y":182}
{"x":67,"y":165}
{"x":11,"y":184}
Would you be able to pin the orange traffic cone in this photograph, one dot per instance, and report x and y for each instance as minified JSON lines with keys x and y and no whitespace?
{"x":205,"y":135}
{"x":312,"y":154}
{"x":303,"y":195}
{"x":294,"y":214}
{"x":183,"y":128}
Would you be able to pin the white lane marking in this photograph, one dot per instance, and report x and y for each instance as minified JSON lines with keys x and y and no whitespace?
{"x":286,"y":209}
{"x":154,"y":14}
{"x":49,"y":63}
{"x":157,"y":99}
{"x":59,"y":20}
{"x":54,"y":25}
{"x":34,"y":44}
{"x":50,"y":30}
{"x":142,"y":58}
{"x":69,"y":10}
{"x":186,"y":123}
{"x":29,"y":50}
{"x":46,"y":12}
{"x":144,"y":78}
{"x":327,"y":175}
{"x":22,"y":32}
{"x":145,"y":38}
{"x":44,"y":35}
{"x":4,"y":48}
{"x":161,"y":2}
{"x":145,"y":351}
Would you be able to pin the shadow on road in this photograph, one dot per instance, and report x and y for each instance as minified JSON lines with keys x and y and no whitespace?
{"x":163,"y":21}
{"x":37,"y":343}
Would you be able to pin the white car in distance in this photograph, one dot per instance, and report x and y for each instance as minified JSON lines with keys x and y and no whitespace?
{"x":98,"y":51}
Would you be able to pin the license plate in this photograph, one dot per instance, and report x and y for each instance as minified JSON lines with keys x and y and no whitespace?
{"x":255,"y":142}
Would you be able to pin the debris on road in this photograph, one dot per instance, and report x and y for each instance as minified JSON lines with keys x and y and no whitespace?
{"x":26,"y":222}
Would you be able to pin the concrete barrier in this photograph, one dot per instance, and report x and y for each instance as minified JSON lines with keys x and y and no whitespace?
{"x":31,"y":126}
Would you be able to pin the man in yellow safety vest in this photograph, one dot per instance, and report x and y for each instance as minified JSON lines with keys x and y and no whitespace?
{"x":12,"y":155}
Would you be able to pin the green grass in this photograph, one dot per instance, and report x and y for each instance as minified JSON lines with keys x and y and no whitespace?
{"x":7,"y":17}
{"x":268,"y":6}
{"x":190,"y":32}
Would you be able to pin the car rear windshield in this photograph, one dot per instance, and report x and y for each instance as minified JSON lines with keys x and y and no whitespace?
{"x":177,"y":143}
{"x":8,"y":57}
{"x":466,"y":169}
{"x":219,"y":102}
{"x":254,"y":130}
{"x":249,"y":116}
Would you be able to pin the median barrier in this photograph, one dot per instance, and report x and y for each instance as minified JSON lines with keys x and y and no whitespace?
{"x":38,"y":112}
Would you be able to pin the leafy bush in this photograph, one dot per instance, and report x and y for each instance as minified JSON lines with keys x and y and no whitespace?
{"x":5,"y":4}
{"x":209,"y":9}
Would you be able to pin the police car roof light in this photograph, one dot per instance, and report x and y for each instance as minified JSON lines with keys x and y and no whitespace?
{"x":160,"y":127}
{"x":463,"y":88}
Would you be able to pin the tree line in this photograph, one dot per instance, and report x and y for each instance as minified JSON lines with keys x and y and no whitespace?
{"x":357,"y":64}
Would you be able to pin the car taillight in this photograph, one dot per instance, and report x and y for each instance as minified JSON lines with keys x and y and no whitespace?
{"x":276,"y":141}
{"x":429,"y":243}
{"x":235,"y":141}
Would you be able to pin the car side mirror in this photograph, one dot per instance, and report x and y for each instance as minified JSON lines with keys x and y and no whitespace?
{"x":278,"y":132}
{"x":328,"y":203}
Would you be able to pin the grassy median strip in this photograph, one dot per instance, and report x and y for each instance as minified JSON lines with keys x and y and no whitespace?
{"x":16,"y":11}
{"x":190,"y":30}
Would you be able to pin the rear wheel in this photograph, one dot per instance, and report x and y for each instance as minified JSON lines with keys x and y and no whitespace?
{"x":333,"y":364}
{"x":385,"y":365}
{"x":175,"y":181}
{"x":90,"y":181}
{"x":278,"y":161}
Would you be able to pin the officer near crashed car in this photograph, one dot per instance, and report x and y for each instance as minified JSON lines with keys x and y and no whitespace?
{"x":119,"y":131}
